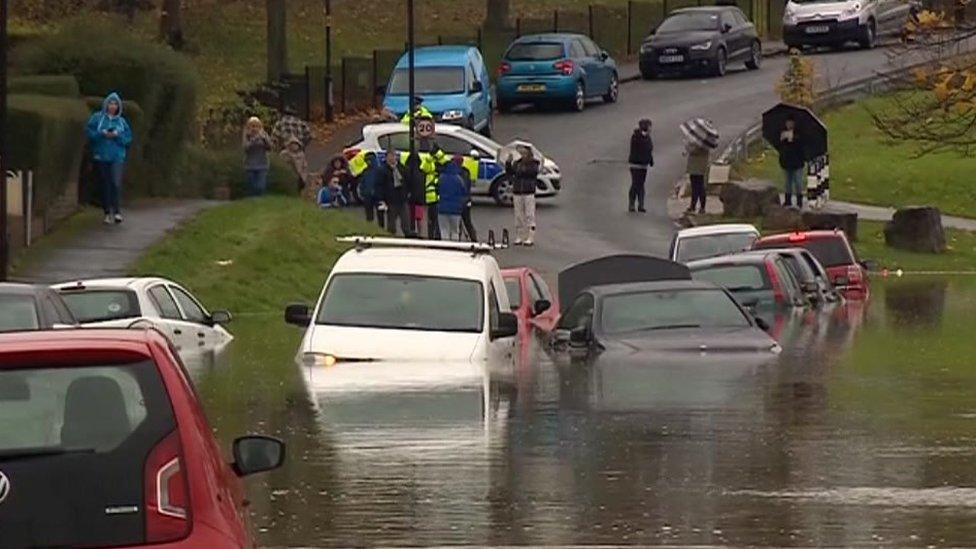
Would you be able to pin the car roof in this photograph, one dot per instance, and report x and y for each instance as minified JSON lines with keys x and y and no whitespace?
{"x":808,"y":235}
{"x":703,"y":9}
{"x":15,"y":288}
{"x":721,"y":228}
{"x":656,"y":286}
{"x":419,"y":261}
{"x":130,"y":283}
{"x":89,"y":339}
{"x":548,"y":37}
{"x":394,"y":127}
{"x":515,"y":272}
{"x":741,"y":258}
{"x":437,"y":56}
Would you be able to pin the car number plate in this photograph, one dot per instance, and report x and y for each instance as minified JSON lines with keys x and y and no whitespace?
{"x":818,"y":29}
{"x":532,"y":88}
{"x":671,"y":59}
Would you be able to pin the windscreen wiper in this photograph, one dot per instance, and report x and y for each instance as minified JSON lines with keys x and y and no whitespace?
{"x":30,"y":453}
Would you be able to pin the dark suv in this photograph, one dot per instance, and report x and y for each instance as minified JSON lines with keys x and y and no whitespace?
{"x":700,"y":40}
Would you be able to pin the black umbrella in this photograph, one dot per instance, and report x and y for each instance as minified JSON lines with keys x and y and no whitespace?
{"x":812,"y":132}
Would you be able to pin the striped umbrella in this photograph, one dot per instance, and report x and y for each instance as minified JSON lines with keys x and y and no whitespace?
{"x":701,"y":132}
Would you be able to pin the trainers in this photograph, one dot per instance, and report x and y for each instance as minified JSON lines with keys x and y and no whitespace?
{"x":108,"y":219}
{"x":518,"y":242}
{"x":529,"y":243}
{"x":642,"y":210}
{"x":118,"y":218}
{"x":630,"y":208}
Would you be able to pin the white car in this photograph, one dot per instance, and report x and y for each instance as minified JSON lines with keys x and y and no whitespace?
{"x":169,"y":307}
{"x":712,"y":241}
{"x":400,"y":300}
{"x":456,"y":140}
{"x":835,"y":23}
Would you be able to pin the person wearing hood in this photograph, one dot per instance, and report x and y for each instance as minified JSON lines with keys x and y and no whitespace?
{"x":453,"y":198}
{"x":372,"y":189}
{"x":256,"y":163}
{"x":294,"y":155}
{"x":110,"y":136}
{"x":641,"y":158}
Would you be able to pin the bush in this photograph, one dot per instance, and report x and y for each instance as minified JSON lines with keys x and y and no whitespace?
{"x":163,"y":82}
{"x":202,"y":171}
{"x":46,"y":134}
{"x":46,"y":84}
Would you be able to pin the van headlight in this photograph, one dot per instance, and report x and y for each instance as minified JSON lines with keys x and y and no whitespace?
{"x":851,"y":12}
{"x":452,"y":115}
{"x":789,"y":16}
{"x":704,"y":46}
{"x":318,"y":359}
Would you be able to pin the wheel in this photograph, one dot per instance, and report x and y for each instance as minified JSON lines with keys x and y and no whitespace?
{"x":501,"y":191}
{"x":721,"y":60}
{"x":489,"y":126}
{"x":755,"y":56}
{"x":613,"y":91}
{"x":579,"y":99}
{"x":868,"y":34}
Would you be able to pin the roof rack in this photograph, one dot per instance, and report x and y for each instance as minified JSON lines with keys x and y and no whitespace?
{"x":365,"y":242}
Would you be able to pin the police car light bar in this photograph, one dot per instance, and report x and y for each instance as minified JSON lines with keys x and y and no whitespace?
{"x":364,"y":242}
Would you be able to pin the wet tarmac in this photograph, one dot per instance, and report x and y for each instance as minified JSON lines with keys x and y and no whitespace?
{"x":860,"y":432}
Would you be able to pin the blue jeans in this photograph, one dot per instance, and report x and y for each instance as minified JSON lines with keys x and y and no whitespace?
{"x":257,"y":181}
{"x":794,"y":185}
{"x":110,"y":183}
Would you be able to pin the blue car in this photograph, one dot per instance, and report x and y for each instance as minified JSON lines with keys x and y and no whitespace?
{"x":560,"y":68}
{"x":453,"y":82}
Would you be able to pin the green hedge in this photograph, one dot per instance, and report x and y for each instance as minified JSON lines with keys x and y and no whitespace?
{"x":202,"y":171}
{"x":59,"y":85}
{"x":46,"y":134}
{"x":161,"y":81}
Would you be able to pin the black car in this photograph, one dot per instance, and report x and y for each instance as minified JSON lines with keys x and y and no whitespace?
{"x":25,"y":307}
{"x":700,"y":40}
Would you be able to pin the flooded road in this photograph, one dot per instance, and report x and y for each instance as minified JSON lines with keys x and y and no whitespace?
{"x":862,"y":432}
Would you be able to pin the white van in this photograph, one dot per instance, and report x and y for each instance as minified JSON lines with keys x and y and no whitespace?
{"x":392,"y":299}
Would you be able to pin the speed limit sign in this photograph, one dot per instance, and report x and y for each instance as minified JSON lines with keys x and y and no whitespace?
{"x":425,"y":128}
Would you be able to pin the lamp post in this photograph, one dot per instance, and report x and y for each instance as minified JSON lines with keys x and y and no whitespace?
{"x":4,"y":160}
{"x":329,"y":114}
{"x":412,"y":91}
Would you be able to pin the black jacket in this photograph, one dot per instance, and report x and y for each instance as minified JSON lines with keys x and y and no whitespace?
{"x":414,"y":179}
{"x":641,"y":149}
{"x":791,"y":153}
{"x":393,"y":195}
{"x":524,"y":174}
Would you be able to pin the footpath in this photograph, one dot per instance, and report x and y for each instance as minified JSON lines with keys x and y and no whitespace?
{"x":110,"y":250}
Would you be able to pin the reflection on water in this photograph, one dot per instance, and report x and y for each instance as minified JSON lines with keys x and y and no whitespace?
{"x":862,"y":431}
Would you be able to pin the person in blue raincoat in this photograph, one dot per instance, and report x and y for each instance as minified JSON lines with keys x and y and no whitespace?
{"x":110,"y":136}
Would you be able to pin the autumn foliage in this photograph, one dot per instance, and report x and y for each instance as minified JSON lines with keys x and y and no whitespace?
{"x":796,"y":85}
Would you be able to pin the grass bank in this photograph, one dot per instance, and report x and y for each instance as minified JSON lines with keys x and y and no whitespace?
{"x":961,"y":255}
{"x":866,"y":168}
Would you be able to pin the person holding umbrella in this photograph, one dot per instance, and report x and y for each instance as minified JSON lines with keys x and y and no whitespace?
{"x":700,"y":138}
{"x":799,"y":137}
{"x":792,"y":161}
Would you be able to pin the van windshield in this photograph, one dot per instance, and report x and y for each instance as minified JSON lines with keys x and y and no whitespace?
{"x":428,"y":81}
{"x":404,"y":302}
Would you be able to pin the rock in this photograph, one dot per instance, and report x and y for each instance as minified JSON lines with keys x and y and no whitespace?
{"x":847,"y":222}
{"x":917,"y":229}
{"x":779,"y":218}
{"x":747,"y":199}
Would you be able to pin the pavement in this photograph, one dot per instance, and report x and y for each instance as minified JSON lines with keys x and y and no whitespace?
{"x":110,"y":250}
{"x":880,"y":213}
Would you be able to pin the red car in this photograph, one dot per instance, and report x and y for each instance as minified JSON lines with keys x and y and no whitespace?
{"x":834,"y":252}
{"x":103,"y":442}
{"x":531,"y":300}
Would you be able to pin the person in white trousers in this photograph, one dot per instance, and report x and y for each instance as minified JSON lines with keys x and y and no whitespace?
{"x":524,"y":173}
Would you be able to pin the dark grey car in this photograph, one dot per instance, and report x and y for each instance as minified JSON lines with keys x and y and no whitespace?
{"x":25,"y":307}
{"x":701,"y":40}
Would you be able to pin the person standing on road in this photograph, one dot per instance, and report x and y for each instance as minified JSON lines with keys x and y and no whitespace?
{"x":699,"y":162}
{"x":110,"y":136}
{"x":466,"y":220}
{"x":791,"y":160}
{"x":641,"y":158}
{"x":256,"y":163}
{"x":524,"y":172}
{"x":395,"y":195}
{"x":453,"y":196}
{"x":372,"y":189}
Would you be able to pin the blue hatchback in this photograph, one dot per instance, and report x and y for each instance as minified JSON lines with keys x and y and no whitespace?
{"x":556,"y":68}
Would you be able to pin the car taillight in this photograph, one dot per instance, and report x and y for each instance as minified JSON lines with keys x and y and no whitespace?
{"x":797,"y":237}
{"x":774,"y":282}
{"x":167,"y":492}
{"x":350,"y":153}
{"x":565,"y":66}
{"x":504,"y":68}
{"x":854,"y":274}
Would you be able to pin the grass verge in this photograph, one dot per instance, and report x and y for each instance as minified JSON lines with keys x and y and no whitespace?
{"x":961,"y":255}
{"x":866,"y":168}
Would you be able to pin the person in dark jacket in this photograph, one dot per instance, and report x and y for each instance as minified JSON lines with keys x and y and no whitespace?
{"x":641,"y":158}
{"x":337,"y":176}
{"x":524,"y":173}
{"x":372,"y":185}
{"x":395,"y":194}
{"x":466,"y":213}
{"x":792,"y":161}
{"x":453,"y":195}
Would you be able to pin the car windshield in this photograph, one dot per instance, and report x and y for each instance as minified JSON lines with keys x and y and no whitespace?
{"x":735,"y":278}
{"x":102,"y":305}
{"x":405,"y":302}
{"x":701,"y":247}
{"x":18,"y":312}
{"x":514,"y":289}
{"x":429,"y":81}
{"x":690,"y":21}
{"x":668,"y":309}
{"x":535,"y":51}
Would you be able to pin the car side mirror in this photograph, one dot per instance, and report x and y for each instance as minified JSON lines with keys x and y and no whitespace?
{"x":726,"y":28}
{"x":477,"y":87}
{"x":841,"y":281}
{"x":870,"y":264}
{"x":541,"y":306}
{"x":220,"y":317}
{"x":507,"y":326}
{"x":298,"y":314}
{"x":579,"y":336}
{"x":256,"y":454}
{"x":810,"y":287}
{"x":761,"y":324}
{"x":604,"y":55}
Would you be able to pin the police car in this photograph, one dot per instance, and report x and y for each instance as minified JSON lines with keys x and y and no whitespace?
{"x":456,"y":140}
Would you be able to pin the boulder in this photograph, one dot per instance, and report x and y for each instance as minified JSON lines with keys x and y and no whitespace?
{"x":847,"y":222}
{"x":747,"y":199}
{"x":779,"y":218}
{"x":917,"y":229}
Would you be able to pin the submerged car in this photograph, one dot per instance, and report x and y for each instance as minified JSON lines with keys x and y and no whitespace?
{"x":711,"y":240}
{"x":811,"y":275}
{"x":26,"y":307}
{"x":832,"y":249}
{"x":531,"y":300}
{"x":701,"y":40}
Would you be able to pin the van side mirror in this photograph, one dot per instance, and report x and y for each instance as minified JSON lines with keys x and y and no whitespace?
{"x":604,"y":55}
{"x":579,"y":336}
{"x":256,"y":454}
{"x":810,"y":287}
{"x":507,"y":326}
{"x":298,"y":314}
{"x":541,"y":306}
{"x":477,"y":87}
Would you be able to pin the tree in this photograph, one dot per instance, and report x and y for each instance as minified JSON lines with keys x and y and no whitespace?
{"x":935,"y":105}
{"x":796,"y":85}
{"x":277,"y":39}
{"x":496,"y":15}
{"x":171,"y":23}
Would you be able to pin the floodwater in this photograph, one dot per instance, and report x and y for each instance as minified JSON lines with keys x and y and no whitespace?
{"x":862,"y":432}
